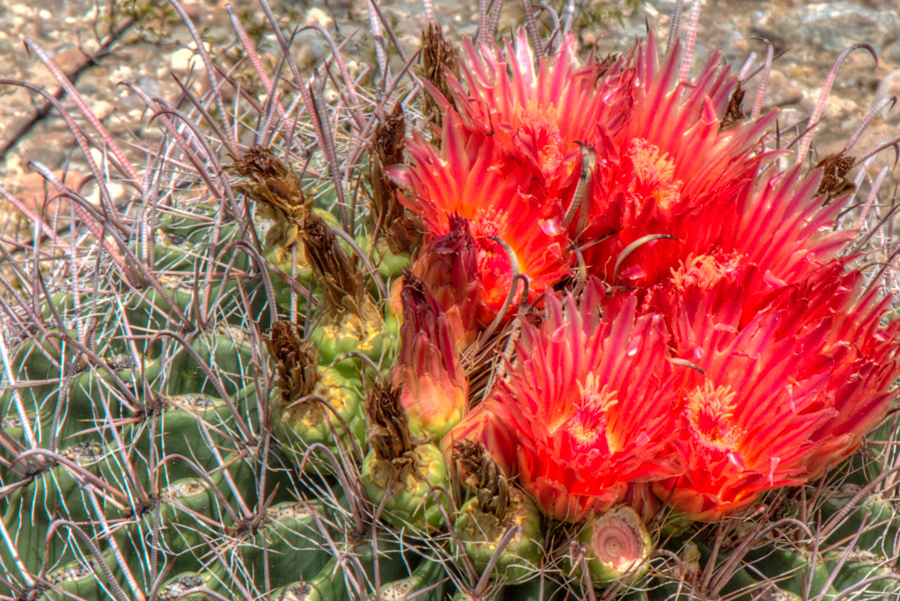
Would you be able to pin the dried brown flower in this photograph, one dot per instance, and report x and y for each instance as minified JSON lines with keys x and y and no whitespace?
{"x":296,"y":361}
{"x":438,"y":59}
{"x":485,"y":476}
{"x":389,"y":431}
{"x":835,"y":168}
{"x":342,"y":284}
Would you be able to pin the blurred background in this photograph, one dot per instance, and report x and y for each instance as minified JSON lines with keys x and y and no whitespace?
{"x":100,"y":43}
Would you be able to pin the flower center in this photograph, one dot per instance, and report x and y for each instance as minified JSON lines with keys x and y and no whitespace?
{"x":652,"y":176}
{"x":709,"y":410}
{"x":703,"y":271}
{"x":585,"y":426}
{"x":547,"y":142}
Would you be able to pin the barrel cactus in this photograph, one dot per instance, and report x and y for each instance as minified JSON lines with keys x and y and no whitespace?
{"x":510,"y":323}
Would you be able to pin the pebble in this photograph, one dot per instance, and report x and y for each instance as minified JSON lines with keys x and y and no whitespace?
{"x":833,"y":26}
{"x":780,"y":91}
{"x":183,"y":59}
{"x":317,"y":16}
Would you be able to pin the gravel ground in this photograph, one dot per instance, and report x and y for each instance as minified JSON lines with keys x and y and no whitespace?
{"x":73,"y":33}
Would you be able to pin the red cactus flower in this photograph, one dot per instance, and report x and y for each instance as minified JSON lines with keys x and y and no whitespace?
{"x":507,"y":213}
{"x":538,"y":115}
{"x":733,"y":261}
{"x":434,"y":388}
{"x":583,"y":410}
{"x":448,"y":265}
{"x":783,"y":397}
{"x":674,"y":170}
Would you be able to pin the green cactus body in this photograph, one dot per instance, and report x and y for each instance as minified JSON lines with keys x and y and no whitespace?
{"x":426,"y":580}
{"x":178,"y":506}
{"x":537,"y":589}
{"x":790,"y":571}
{"x":290,"y":544}
{"x":390,"y":264}
{"x":58,"y":491}
{"x":863,"y":566}
{"x":83,"y":578}
{"x":875,"y":519}
{"x":185,"y":425}
{"x":206,"y":580}
{"x":327,"y":585}
{"x":331,"y":582}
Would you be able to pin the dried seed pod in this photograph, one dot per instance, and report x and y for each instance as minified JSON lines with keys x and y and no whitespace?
{"x":401,"y":228}
{"x":389,"y":433}
{"x":342,"y":284}
{"x":734,"y":113}
{"x":484,"y":475}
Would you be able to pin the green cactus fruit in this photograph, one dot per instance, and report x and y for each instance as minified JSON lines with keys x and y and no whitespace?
{"x":312,"y":405}
{"x":617,"y":547}
{"x":481,"y":534}
{"x":390,"y":264}
{"x":369,"y":334}
{"x":301,"y":424}
{"x":498,"y":514}
{"x":400,"y":475}
{"x":404,"y":486}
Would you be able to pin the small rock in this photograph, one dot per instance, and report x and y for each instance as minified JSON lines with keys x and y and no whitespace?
{"x":121,"y":73}
{"x":69,"y":58}
{"x":317,"y":16}
{"x":780,"y":91}
{"x":833,"y":26}
{"x":837,"y":109}
{"x":183,"y":59}
{"x":150,"y":85}
{"x":892,"y":53}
